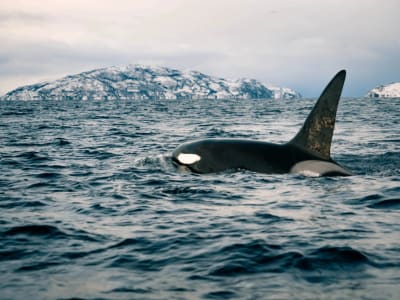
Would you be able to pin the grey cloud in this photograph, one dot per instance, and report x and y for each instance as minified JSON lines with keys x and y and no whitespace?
{"x":24,"y":17}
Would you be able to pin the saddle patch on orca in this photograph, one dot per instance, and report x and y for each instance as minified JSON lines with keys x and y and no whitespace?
{"x":317,"y":168}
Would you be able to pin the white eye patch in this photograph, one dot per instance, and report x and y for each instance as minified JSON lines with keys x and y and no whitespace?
{"x":188,"y":159}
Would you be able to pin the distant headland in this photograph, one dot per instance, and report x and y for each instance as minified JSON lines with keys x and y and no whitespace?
{"x":391,"y":90}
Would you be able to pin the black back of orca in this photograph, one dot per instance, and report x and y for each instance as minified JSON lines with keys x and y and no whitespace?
{"x":308,"y":152}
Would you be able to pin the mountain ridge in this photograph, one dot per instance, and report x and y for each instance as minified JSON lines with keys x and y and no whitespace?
{"x":146,"y":82}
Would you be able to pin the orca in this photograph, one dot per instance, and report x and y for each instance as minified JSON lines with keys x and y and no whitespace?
{"x":308,"y":153}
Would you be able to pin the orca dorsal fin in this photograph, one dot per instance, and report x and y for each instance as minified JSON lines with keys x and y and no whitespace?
{"x":316,"y":134}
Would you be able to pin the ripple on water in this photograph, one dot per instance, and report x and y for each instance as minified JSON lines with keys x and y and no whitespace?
{"x":34,"y":156}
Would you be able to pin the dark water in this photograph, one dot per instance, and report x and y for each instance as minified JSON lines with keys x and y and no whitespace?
{"x":91,"y":206}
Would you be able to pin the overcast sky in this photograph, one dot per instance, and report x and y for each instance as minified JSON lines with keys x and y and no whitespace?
{"x":294,"y":43}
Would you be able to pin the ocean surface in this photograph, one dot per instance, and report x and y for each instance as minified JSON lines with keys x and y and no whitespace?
{"x":92,"y":207}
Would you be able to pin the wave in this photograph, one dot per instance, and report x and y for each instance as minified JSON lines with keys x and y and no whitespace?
{"x":100,"y":154}
{"x":260,"y":257}
{"x":15,"y":203}
{"x":51,"y":232}
{"x":61,"y":142}
{"x":386,"y":204}
{"x":385,"y":164}
{"x":383,"y":200}
{"x":155,"y":163}
{"x":332,"y":258}
{"x":47,"y":231}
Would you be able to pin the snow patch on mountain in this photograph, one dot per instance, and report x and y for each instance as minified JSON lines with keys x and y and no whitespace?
{"x":284,"y":92}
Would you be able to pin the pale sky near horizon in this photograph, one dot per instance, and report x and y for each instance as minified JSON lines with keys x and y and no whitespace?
{"x":295,"y":43}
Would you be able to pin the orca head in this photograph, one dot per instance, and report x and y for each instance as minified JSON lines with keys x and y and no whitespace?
{"x":202,"y":156}
{"x":186,"y":156}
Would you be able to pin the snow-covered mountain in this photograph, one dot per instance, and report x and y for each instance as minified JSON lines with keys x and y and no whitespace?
{"x":391,"y":90}
{"x":145,"y":82}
